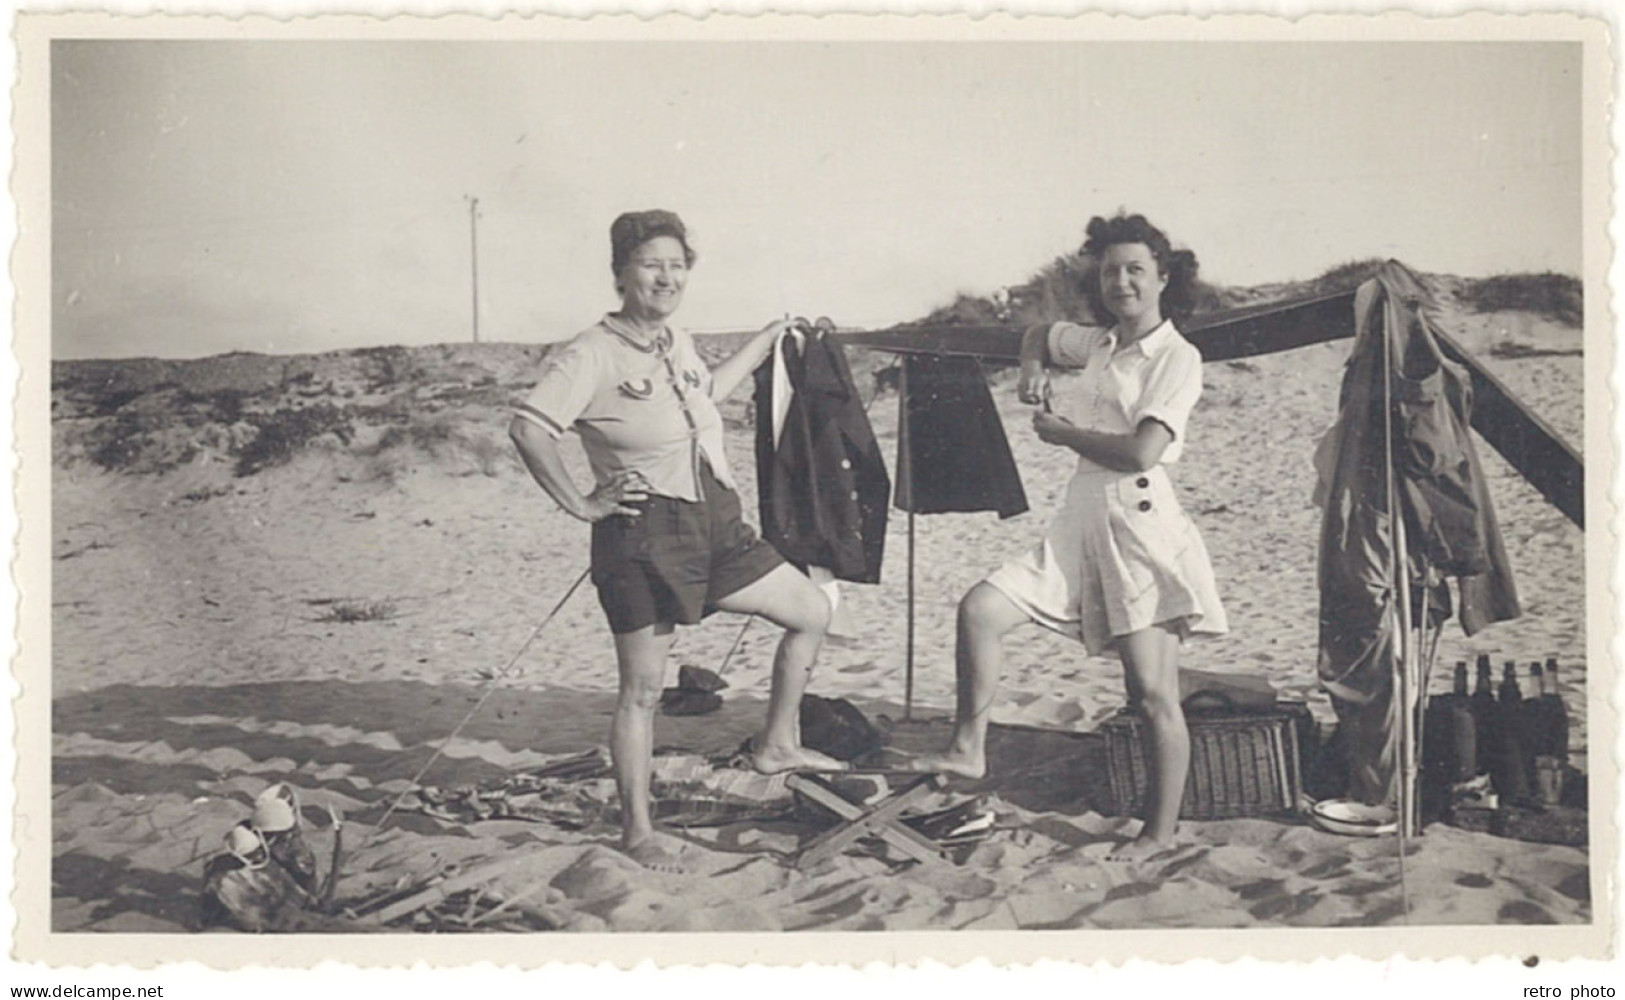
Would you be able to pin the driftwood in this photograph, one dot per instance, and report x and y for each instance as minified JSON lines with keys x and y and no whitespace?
{"x":325,"y":897}
{"x":439,"y":892}
{"x":509,"y":902}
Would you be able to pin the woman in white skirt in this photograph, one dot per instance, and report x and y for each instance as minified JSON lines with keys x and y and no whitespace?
{"x":1120,"y":566}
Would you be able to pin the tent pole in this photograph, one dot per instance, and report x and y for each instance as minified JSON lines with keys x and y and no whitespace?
{"x":1407,"y":694}
{"x":1399,"y":570}
{"x":905,"y":474}
{"x":908,"y":670}
{"x":1422,"y":656}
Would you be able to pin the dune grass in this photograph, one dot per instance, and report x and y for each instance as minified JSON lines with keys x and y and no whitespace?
{"x":458,"y":443}
{"x":1344,"y":276}
{"x":284,"y":433}
{"x":1558,"y":297}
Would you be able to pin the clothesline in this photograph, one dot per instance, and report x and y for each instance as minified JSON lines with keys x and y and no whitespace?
{"x":824,"y":491}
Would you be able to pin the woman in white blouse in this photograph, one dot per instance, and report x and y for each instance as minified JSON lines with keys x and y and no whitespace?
{"x":1120,"y":566}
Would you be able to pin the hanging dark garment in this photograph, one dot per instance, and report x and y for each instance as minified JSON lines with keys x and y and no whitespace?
{"x":1450,"y":527}
{"x":952,"y":453}
{"x":822,"y":485}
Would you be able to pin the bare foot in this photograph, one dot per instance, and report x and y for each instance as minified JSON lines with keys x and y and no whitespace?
{"x":777,"y":760}
{"x":1141,"y":848}
{"x":655,"y":856}
{"x":962,"y":765}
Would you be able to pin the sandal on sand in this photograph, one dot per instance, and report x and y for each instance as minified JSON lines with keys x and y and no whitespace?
{"x":247,"y":845}
{"x":276,"y":809}
{"x":276,"y":819}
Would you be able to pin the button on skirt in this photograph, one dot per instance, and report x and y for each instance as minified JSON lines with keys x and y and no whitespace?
{"x":1119,"y":556}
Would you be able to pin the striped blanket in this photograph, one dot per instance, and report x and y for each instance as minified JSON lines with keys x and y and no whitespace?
{"x":576,"y":792}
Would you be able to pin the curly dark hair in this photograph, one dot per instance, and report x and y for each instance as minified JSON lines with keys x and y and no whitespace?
{"x":1179,"y":298}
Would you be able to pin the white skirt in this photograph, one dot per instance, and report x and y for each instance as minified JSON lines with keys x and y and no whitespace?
{"x":1119,"y":556}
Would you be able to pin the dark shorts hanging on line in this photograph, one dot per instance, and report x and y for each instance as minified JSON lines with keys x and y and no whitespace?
{"x":673,"y":562}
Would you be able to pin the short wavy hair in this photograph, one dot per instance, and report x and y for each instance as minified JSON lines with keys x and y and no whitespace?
{"x":1179,"y":298}
{"x":631,"y":230}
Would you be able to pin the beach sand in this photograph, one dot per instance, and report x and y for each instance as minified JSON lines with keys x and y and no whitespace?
{"x":197,"y":659}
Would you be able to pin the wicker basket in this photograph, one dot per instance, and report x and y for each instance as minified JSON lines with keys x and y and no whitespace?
{"x":1243,"y":762}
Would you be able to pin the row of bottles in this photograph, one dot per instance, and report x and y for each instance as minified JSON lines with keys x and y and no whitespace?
{"x":1519,"y":739}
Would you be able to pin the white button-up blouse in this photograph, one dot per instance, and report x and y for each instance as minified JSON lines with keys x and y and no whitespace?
{"x":1159,"y":377}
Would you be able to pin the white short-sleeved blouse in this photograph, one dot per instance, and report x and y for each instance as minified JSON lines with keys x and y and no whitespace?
{"x":1159,"y":377}
{"x":638,"y":407}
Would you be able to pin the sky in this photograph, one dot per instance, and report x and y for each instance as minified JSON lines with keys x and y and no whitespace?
{"x":294,"y":196}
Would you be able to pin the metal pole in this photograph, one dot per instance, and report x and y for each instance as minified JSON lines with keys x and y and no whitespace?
{"x":1407,"y":692}
{"x":908,"y":675}
{"x":905,"y":473}
{"x":1399,"y":591}
{"x":474,"y":260}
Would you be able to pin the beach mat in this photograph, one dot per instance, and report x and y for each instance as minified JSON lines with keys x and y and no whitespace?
{"x":577,"y":792}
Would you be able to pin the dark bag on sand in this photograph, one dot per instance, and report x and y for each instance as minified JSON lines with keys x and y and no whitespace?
{"x":261,"y":900}
{"x":836,"y":727}
{"x":695,"y":693}
{"x":692,"y":678}
{"x":288,"y":849}
{"x":248,"y":898}
{"x":683,"y":701}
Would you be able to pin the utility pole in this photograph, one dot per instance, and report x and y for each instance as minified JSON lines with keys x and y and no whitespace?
{"x":474,"y":257}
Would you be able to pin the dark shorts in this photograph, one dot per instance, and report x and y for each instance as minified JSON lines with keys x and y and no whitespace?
{"x":677,"y":559}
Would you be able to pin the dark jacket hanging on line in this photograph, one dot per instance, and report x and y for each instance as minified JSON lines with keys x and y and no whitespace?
{"x":952,"y":453}
{"x":823,"y":485}
{"x":1443,"y":498}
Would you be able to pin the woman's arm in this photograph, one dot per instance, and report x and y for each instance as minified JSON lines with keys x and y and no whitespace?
{"x":540,"y":453}
{"x":1033,"y":385}
{"x":725,"y":377}
{"x":1134,"y":452}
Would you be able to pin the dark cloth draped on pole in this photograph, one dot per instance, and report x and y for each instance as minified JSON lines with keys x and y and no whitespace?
{"x":822,"y":484}
{"x":952,"y":453}
{"x":1398,"y":383}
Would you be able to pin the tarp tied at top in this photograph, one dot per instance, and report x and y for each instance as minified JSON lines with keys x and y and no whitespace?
{"x":1401,"y":438}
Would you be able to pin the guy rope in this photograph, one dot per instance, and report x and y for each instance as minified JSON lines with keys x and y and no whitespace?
{"x":492,"y":683}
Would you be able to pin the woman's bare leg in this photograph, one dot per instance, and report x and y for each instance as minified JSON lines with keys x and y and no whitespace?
{"x":985,"y":617}
{"x":789,"y":600}
{"x":641,"y":657}
{"x":1151,"y":674}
